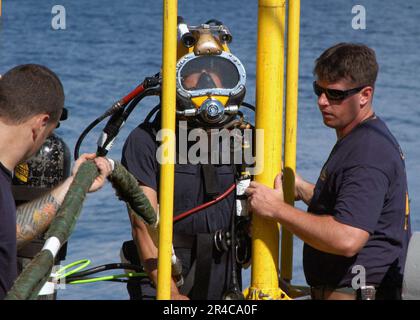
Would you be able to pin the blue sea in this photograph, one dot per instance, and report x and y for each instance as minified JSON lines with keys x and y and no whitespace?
{"x":108,"y":47}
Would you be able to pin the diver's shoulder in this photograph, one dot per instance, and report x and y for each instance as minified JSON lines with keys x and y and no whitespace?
{"x":145,"y":132}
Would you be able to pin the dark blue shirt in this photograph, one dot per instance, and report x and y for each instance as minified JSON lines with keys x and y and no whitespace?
{"x":8,"y":253}
{"x":139,"y":157}
{"x":363,"y":184}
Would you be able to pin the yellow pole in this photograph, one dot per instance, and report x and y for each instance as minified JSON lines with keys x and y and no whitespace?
{"x":291,"y":131}
{"x":166,"y":190}
{"x":269,"y":102}
{"x":0,"y":8}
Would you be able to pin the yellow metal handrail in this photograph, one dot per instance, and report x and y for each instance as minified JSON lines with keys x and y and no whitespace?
{"x":290,"y":134}
{"x":166,"y":189}
{"x":269,"y":113}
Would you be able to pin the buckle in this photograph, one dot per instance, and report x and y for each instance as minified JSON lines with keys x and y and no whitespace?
{"x":367,"y":292}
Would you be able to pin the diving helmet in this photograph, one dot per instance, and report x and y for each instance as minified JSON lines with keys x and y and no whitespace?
{"x":210,"y":80}
{"x":43,"y":171}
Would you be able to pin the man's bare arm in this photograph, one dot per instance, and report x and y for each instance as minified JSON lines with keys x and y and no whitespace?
{"x":321,"y":232}
{"x":33,"y":218}
{"x":146,"y":241}
{"x":304,"y":190}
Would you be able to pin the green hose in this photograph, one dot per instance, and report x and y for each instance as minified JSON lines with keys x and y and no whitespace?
{"x":81,"y":265}
{"x":128,"y":189}
{"x":111,"y":277}
{"x":32,"y":279}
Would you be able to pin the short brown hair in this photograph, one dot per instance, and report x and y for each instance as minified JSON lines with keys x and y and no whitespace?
{"x":350,"y":61}
{"x":28,"y":90}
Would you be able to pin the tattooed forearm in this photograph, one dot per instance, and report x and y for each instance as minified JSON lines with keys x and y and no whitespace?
{"x":33,"y":218}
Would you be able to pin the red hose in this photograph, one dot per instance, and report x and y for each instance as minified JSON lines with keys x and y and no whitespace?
{"x":139,"y":89}
{"x":205,"y":205}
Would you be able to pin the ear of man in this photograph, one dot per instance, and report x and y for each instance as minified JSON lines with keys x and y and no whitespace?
{"x":39,"y":124}
{"x":366,"y":95}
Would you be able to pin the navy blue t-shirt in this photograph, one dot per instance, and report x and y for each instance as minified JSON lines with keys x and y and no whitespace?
{"x":8,"y":252}
{"x":139,"y":157}
{"x":363,"y":184}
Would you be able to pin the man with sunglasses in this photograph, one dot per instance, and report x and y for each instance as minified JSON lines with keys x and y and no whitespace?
{"x":357,"y":227}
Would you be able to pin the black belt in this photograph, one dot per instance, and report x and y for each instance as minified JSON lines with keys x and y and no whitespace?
{"x":326,"y":292}
{"x":364,"y":293}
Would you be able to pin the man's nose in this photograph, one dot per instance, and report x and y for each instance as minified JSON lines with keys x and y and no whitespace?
{"x":323,"y":100}
{"x":206,"y":81}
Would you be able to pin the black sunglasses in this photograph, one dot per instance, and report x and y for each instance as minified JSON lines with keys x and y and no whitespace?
{"x":64,"y":116}
{"x":334,"y":94}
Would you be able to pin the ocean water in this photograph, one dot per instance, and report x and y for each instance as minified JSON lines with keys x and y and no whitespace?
{"x":108,"y":47}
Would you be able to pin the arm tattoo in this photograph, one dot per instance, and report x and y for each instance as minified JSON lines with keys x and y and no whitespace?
{"x":34,"y":217}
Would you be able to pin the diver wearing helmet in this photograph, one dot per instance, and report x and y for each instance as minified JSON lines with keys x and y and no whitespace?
{"x":210,"y":90}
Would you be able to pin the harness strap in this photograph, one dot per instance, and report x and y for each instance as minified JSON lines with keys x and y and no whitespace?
{"x":189,"y":280}
{"x":31,"y":249}
{"x":204,"y":254}
{"x":28,"y":193}
{"x":211,"y":181}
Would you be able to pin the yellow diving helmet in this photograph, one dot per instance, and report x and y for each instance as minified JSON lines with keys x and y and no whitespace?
{"x":210,"y":80}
